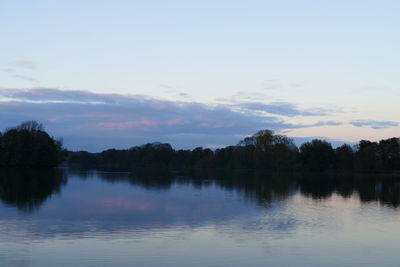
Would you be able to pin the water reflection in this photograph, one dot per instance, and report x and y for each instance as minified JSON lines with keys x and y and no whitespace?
{"x":29,"y":189}
{"x":265,"y":188}
{"x":369,"y":188}
{"x":235,"y":218}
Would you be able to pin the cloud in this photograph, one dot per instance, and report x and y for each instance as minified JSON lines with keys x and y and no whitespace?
{"x":25,"y":64}
{"x":167,"y":86}
{"x":272,"y":84}
{"x":139,"y":124}
{"x":26,"y":78}
{"x":6,"y":70}
{"x":375,"y":124}
{"x":257,"y":102}
{"x":18,"y":64}
{"x":94,"y":122}
{"x":284,"y":109}
{"x":325,"y":123}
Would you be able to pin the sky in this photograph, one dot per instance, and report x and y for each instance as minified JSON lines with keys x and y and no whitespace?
{"x":103,"y":74}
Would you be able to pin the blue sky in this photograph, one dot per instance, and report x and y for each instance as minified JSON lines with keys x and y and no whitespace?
{"x":218,"y":70}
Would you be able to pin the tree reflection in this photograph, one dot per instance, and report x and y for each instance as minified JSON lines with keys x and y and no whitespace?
{"x":377,"y":188}
{"x":263,"y":187}
{"x":147,"y":178}
{"x":266,"y":187}
{"x":28,"y":189}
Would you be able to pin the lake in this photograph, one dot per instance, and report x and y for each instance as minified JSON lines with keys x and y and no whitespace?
{"x":81,"y":218}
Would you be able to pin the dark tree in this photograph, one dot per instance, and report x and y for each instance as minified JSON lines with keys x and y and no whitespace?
{"x":316,"y":155}
{"x":389,"y":151}
{"x":367,"y":156}
{"x":344,"y":158}
{"x":269,"y":151}
{"x":29,"y":145}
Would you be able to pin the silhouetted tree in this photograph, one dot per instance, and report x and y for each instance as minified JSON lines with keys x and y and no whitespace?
{"x":367,"y":156}
{"x":30,"y":126}
{"x":344,"y":158}
{"x":29,"y":145}
{"x":262,"y":140}
{"x":316,"y":155}
{"x":389,"y":151}
{"x":270,"y":151}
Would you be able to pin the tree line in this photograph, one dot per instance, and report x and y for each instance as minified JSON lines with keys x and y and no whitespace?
{"x":29,"y":145}
{"x":263,"y":150}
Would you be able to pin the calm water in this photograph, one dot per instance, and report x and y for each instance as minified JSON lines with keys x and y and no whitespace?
{"x":66,"y":218}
